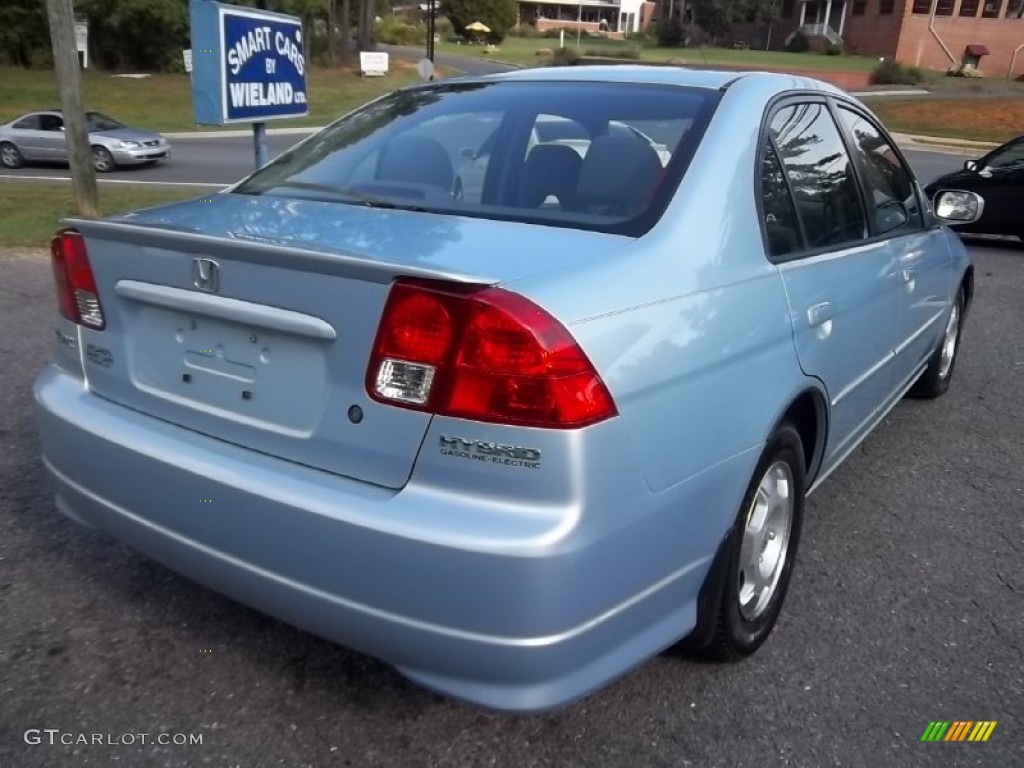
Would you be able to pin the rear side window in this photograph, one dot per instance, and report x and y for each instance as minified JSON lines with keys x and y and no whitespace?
{"x":30,"y":123}
{"x":891,"y":197}
{"x":603,"y":156}
{"x":780,"y":219}
{"x":820,"y":174}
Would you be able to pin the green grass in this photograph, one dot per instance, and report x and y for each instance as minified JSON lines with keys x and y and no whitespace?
{"x":164,"y":102}
{"x":30,"y":211}
{"x":523,"y":51}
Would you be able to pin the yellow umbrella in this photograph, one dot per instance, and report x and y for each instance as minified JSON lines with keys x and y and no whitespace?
{"x":477,"y":26}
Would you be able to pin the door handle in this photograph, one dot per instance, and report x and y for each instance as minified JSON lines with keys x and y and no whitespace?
{"x":908,"y":275}
{"x":819,"y":314}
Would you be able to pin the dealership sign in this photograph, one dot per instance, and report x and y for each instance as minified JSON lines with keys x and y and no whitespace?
{"x":247,"y":65}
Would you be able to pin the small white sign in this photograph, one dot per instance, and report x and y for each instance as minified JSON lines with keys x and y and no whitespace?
{"x":425,"y":69}
{"x":373,"y":63}
{"x":82,"y":41}
{"x":186,"y":56}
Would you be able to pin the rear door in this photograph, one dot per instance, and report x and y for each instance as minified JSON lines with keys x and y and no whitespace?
{"x":842,"y":286}
{"x":923,"y":262}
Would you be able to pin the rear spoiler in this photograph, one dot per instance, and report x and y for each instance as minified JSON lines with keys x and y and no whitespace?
{"x":257,"y":250}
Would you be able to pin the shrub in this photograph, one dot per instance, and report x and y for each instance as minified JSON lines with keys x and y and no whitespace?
{"x":392,"y":31}
{"x":891,"y":72}
{"x":499,"y":15}
{"x":669,"y":34}
{"x":524,"y":30}
{"x":798,"y":43}
{"x":565,"y":57}
{"x":834,"y":50}
{"x":963,"y":71}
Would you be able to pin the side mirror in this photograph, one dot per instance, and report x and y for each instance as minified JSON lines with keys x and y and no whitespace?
{"x":891,"y":215}
{"x":956,"y":207}
{"x":971,"y":165}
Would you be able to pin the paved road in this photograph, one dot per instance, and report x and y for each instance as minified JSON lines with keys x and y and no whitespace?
{"x":907,"y":606}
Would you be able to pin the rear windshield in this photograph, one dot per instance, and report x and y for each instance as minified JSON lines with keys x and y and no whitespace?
{"x":603,"y":156}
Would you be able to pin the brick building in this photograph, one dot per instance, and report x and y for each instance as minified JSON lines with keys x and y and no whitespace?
{"x":934,"y":34}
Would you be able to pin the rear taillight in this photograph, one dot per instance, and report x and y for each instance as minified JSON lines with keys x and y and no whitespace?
{"x":483,"y":354}
{"x":76,"y":287}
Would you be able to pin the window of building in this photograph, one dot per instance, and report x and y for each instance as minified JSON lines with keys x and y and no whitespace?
{"x":969,"y":8}
{"x":944,"y":7}
{"x":991,"y":9}
{"x":858,"y":7}
{"x":922,"y":6}
{"x":820,"y":175}
{"x":1015,"y":9}
{"x":885,"y":6}
{"x":787,"y":9}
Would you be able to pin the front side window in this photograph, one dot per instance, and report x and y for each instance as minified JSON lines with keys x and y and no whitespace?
{"x":51,"y":123}
{"x":1011,"y":156}
{"x":820,"y":174}
{"x":892,"y":199}
{"x":603,"y":156}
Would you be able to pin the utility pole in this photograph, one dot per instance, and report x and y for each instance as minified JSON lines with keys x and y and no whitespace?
{"x":65,"y":65}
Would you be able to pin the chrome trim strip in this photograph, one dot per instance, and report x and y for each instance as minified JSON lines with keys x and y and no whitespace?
{"x":907,"y":342}
{"x":235,"y":310}
{"x":889,"y":357}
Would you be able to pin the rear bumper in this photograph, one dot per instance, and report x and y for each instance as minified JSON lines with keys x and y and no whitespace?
{"x":493,"y":624}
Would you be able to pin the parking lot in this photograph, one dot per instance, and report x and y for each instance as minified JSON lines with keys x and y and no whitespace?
{"x":907,"y":607}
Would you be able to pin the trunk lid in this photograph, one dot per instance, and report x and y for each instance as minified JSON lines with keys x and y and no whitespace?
{"x":251,"y":319}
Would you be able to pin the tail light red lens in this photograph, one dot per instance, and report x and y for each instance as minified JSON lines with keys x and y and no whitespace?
{"x":484,"y":354}
{"x":77,"y":296}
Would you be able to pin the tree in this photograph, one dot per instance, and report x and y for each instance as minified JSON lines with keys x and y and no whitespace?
{"x":499,"y":15}
{"x":24,"y":35}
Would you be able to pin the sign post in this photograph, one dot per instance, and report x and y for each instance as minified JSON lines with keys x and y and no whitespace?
{"x":248,"y":66}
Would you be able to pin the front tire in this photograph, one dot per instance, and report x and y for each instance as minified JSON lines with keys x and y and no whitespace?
{"x":760,"y":551}
{"x":102,"y":160}
{"x":11,"y":156}
{"x":937,"y":376}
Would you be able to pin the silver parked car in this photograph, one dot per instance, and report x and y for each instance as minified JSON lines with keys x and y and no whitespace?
{"x":39,"y":137}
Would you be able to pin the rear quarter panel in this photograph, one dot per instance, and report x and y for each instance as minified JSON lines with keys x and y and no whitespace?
{"x":689,"y":325}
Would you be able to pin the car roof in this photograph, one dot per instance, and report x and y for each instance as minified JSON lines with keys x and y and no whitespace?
{"x":658,"y":75}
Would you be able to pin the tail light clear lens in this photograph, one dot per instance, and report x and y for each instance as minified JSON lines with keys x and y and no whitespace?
{"x":77,"y":296}
{"x":484,"y":354}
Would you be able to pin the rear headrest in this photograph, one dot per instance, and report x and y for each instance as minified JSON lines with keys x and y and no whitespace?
{"x":417,"y":159}
{"x":551,"y":169}
{"x":620,"y":172}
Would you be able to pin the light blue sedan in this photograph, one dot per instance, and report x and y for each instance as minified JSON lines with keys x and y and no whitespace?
{"x":514,"y":445}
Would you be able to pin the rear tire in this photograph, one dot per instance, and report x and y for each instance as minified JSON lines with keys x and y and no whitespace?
{"x":759,"y":552}
{"x":11,"y":156}
{"x":937,"y":376}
